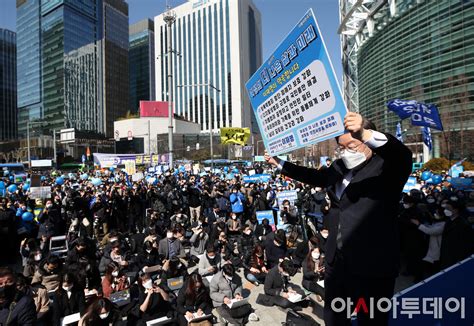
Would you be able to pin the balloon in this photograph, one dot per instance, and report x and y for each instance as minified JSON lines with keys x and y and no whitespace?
{"x":426,"y":175}
{"x":96,"y":182}
{"x":84,"y":176}
{"x":43,"y":178}
{"x":12,"y":188}
{"x":436,"y":178}
{"x":2,"y":185}
{"x":27,"y":216}
{"x":54,"y":173}
{"x":235,"y":170}
{"x":26,"y":187}
{"x":10,"y":178}
{"x":111,"y":169}
{"x":226,"y":169}
{"x":59,"y":181}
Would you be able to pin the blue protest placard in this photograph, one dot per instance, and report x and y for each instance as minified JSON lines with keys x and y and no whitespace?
{"x":265,"y":214}
{"x":461,"y":183}
{"x":291,"y":195}
{"x":257,"y":178}
{"x":411,"y":184}
{"x":294,"y":94}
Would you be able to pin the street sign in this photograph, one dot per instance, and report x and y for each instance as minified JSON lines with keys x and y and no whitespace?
{"x":295,"y":94}
{"x":67,"y":136}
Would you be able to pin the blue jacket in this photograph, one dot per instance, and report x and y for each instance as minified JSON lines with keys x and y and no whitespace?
{"x":237,"y":202}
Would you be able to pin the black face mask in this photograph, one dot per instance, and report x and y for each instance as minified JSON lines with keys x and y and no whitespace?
{"x":8,"y":292}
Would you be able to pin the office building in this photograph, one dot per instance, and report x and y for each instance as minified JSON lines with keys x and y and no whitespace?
{"x":141,"y":63}
{"x":8,"y":107}
{"x":215,"y":42}
{"x":412,"y":49}
{"x":72,"y":64}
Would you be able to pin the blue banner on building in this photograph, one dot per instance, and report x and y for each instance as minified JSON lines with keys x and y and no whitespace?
{"x":295,"y":95}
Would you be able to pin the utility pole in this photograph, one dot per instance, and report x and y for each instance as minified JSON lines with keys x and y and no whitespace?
{"x":169,"y":17}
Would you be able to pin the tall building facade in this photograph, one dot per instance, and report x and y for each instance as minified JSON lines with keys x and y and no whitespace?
{"x":216,"y":42}
{"x":114,"y":24}
{"x":412,"y":49}
{"x":141,"y":63}
{"x":65,"y":64}
{"x":8,"y":102}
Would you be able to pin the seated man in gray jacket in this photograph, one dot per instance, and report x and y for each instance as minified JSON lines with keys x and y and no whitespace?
{"x":225,"y":286}
{"x":210,"y":262}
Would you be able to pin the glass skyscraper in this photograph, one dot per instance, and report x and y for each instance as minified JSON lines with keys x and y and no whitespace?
{"x":142,"y":63}
{"x":217,"y":42}
{"x":412,"y":49}
{"x":62,"y":61}
{"x":8,"y":87}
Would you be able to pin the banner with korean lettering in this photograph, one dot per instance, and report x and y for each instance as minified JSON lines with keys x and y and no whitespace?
{"x":238,"y":136}
{"x":295,"y":94}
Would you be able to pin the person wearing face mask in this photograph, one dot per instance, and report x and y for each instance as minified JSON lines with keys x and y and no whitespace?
{"x":414,"y":243}
{"x":115,"y":255}
{"x":68,"y":299}
{"x":198,"y":241}
{"x":233,"y":225}
{"x":16,"y":307}
{"x":254,"y":265}
{"x":225,"y":286}
{"x":210,"y":262}
{"x":51,"y":214}
{"x":170,"y":247}
{"x":194,"y":298}
{"x":302,"y":249}
{"x":112,"y":282}
{"x":275,"y":248}
{"x":148,"y":257}
{"x":263,"y":229}
{"x":364,"y":185}
{"x":33,"y":262}
{"x":100,"y":312}
{"x":313,"y":272}
{"x":40,"y":297}
{"x":48,"y":273}
{"x":457,"y":239}
{"x":237,"y":200}
{"x":278,"y":287}
{"x":430,"y":263}
{"x":153,"y":300}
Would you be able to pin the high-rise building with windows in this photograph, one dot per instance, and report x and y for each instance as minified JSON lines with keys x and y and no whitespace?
{"x":216,"y":42}
{"x":8,"y":106}
{"x":412,"y":49}
{"x":141,"y":63}
{"x":69,"y":67}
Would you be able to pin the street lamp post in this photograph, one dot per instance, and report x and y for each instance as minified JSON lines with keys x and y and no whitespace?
{"x":208,"y":85}
{"x":28,"y":124}
{"x":169,"y":18}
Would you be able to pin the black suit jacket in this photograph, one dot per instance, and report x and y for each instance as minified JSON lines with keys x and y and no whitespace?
{"x":365,"y":215}
{"x":64,"y":306}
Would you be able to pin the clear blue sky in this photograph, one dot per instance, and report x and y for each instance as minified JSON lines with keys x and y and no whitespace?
{"x":278,"y":18}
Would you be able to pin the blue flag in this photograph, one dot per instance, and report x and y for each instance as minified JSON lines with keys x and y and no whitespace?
{"x":426,"y":116}
{"x":402,"y":108}
{"x":399,"y":134}
{"x":427,"y":137}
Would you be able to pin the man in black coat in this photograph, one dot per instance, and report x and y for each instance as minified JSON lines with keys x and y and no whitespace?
{"x":16,"y":308}
{"x":364,"y":186}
